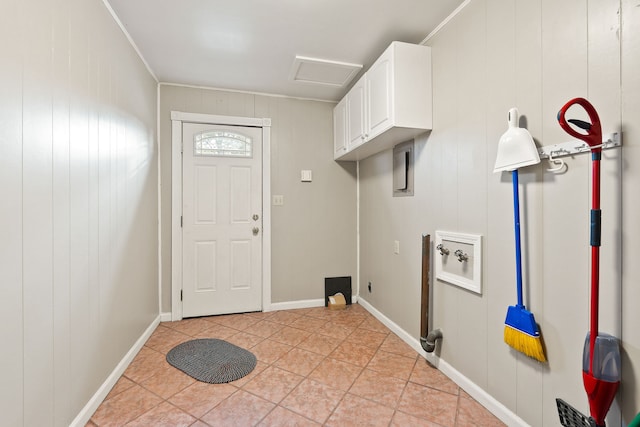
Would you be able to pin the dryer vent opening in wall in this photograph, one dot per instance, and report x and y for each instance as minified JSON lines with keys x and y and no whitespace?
{"x":333,"y":285}
{"x":403,"y":169}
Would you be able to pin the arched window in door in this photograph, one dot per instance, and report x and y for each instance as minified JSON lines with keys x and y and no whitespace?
{"x":222,"y":143}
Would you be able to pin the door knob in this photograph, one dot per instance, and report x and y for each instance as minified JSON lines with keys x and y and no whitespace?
{"x":255,"y":231}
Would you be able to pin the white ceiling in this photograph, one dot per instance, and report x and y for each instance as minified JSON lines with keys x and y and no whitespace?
{"x":251,"y":45}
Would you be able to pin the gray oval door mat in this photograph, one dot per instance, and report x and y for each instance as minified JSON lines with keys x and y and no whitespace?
{"x":211,"y":360}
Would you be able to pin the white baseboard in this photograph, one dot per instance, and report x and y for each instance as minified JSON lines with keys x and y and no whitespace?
{"x":306,"y":303}
{"x":92,"y":405}
{"x":406,"y":337}
{"x":292,"y":305}
{"x":287,"y":305}
{"x":485,"y":399}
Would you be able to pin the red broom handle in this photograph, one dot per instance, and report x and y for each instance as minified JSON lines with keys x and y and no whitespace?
{"x":593,"y":138}
{"x":595,"y":253}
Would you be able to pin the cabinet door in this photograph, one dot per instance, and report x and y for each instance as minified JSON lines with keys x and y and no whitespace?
{"x":356,"y":114}
{"x":380,"y":96}
{"x":340,"y":129}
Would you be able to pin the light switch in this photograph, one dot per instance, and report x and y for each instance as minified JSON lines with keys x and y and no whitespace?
{"x":305,"y":176}
{"x":278,"y":200}
{"x":396,"y":247}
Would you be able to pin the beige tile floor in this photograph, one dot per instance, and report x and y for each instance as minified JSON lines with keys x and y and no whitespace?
{"x":315,"y":367}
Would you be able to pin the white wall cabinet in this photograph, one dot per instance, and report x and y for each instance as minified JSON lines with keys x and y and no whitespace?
{"x":356,"y":114}
{"x":379,"y":88}
{"x":340,"y":129}
{"x":390,"y":104}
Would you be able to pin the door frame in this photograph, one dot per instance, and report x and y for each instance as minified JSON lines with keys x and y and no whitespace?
{"x":177,"y":119}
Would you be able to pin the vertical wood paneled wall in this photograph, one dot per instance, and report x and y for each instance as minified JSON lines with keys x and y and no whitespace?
{"x":78,"y":214}
{"x":534,"y":55}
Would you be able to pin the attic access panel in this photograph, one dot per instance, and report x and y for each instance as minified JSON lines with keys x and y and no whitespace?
{"x":323,"y":72}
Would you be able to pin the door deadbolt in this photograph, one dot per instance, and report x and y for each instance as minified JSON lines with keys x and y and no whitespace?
{"x":255,"y":230}
{"x":256,"y":217}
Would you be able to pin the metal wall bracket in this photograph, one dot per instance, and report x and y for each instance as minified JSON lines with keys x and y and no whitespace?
{"x":575,"y":146}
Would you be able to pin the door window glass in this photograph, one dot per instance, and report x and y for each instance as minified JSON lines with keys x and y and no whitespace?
{"x":222,"y":143}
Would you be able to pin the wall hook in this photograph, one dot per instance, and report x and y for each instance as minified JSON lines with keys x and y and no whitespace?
{"x":461,"y":255}
{"x":443,"y":251}
{"x":569,"y":148}
{"x":558,"y":163}
{"x":586,"y":148}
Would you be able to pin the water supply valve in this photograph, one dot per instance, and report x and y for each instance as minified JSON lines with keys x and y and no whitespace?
{"x":461,"y":255}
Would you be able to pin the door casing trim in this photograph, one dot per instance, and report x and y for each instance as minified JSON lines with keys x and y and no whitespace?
{"x":177,"y":119}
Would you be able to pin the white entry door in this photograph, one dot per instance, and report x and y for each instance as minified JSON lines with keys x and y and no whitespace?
{"x":222,"y":219}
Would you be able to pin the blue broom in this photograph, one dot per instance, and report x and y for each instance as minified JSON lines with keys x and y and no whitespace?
{"x":520,"y":328}
{"x":516,"y":149}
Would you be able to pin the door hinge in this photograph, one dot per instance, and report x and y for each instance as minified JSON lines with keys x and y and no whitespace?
{"x":180,"y":294}
{"x":180,"y":221}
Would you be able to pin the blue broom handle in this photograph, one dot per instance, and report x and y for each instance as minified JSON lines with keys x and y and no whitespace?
{"x":516,"y":220}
